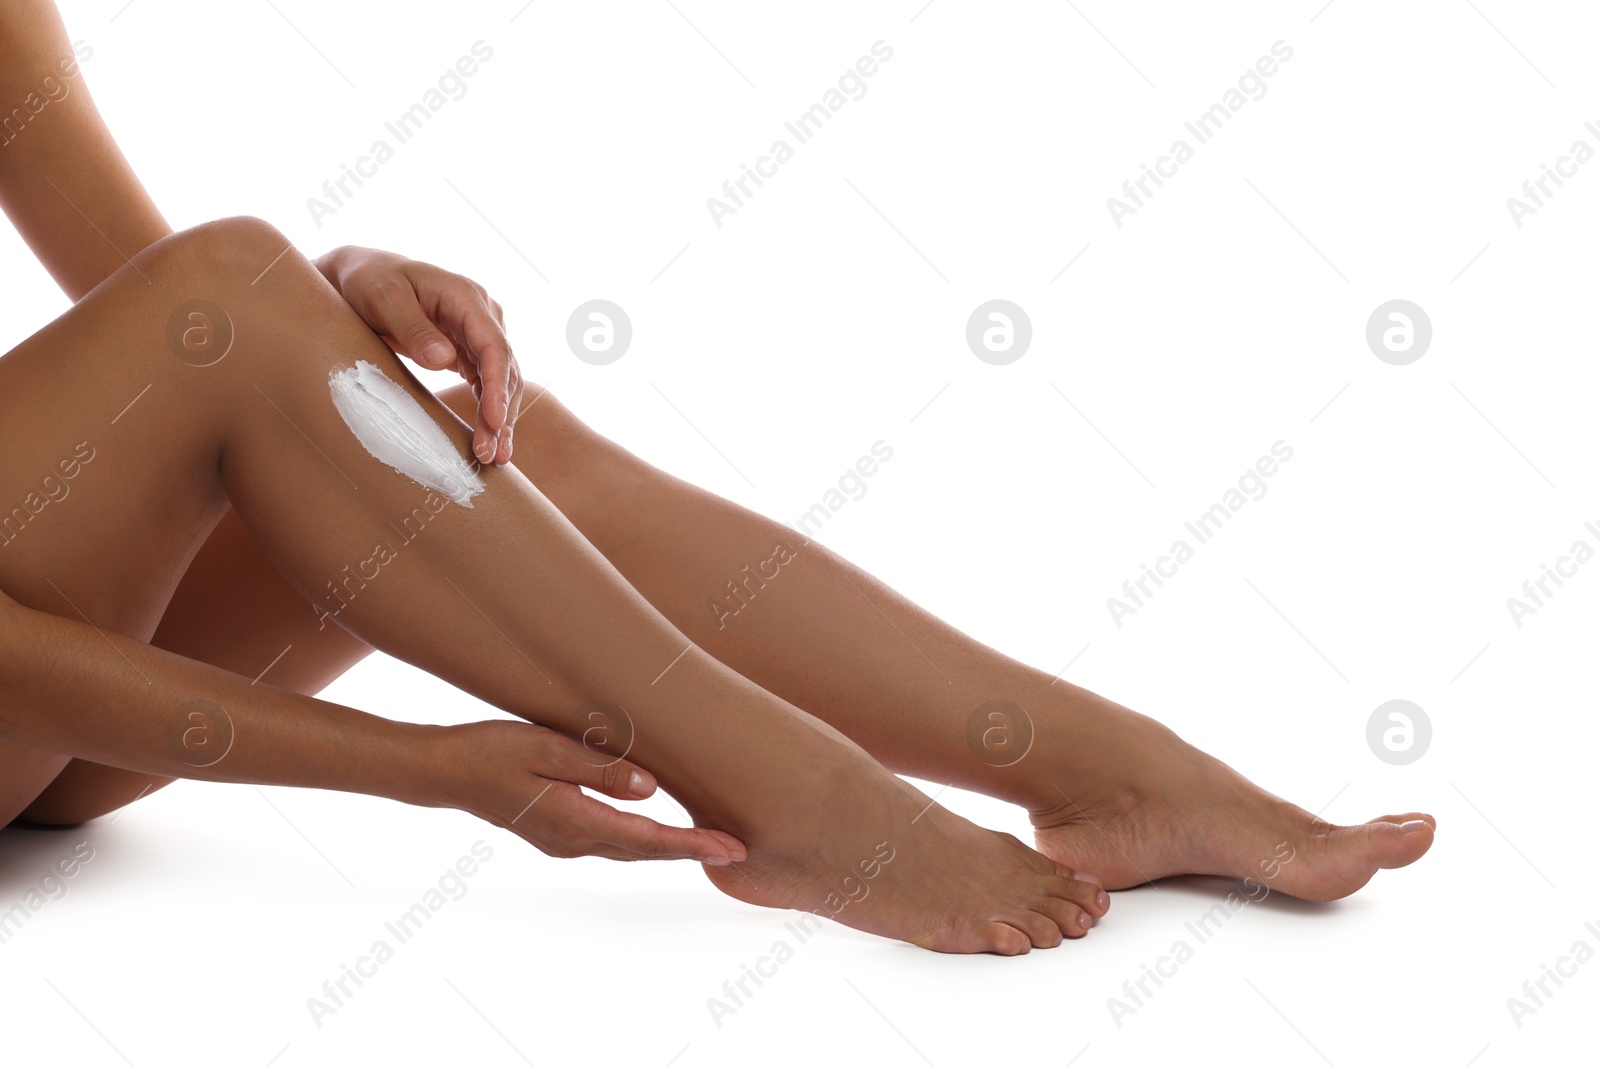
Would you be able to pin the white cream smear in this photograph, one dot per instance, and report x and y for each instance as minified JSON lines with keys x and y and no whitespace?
{"x":395,"y":430}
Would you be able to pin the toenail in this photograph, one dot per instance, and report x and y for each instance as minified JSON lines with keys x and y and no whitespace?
{"x":1102,"y":900}
{"x":1085,"y":921}
{"x":1092,"y":879}
{"x":1413,"y":826}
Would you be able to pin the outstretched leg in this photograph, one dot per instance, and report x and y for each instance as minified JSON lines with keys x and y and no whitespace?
{"x":503,"y":598}
{"x":1108,"y":790}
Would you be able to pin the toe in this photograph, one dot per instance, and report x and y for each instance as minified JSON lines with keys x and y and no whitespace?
{"x":1410,"y":816}
{"x":1348,"y":856}
{"x":1396,"y":844}
{"x":1081,"y":891}
{"x":1040,"y":927}
{"x":1070,"y":919}
{"x":1042,"y":930}
{"x":1005,"y":939}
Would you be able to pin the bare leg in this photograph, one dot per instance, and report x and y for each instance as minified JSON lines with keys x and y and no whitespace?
{"x":233,"y":610}
{"x":1109,"y":790}
{"x":506,"y":599}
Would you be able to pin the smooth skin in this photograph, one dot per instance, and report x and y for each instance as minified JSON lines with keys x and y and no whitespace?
{"x":504,"y":599}
{"x":1109,"y":790}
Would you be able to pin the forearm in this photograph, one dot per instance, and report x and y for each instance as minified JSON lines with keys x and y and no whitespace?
{"x":70,"y":688}
{"x":63,"y":181}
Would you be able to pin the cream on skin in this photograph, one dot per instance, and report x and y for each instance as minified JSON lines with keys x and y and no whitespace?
{"x":395,"y":430}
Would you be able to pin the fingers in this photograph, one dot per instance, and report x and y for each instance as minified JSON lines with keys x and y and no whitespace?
{"x":444,"y":321}
{"x":588,"y":827}
{"x":598,"y":829}
{"x":479,"y":323}
{"x":394,"y":310}
{"x":572,"y":761}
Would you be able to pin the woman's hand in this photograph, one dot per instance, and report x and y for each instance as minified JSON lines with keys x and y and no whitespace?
{"x":442,"y":321}
{"x":525,"y":778}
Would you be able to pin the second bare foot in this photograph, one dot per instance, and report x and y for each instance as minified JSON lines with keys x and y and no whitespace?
{"x":1166,"y":808}
{"x":861,"y":846}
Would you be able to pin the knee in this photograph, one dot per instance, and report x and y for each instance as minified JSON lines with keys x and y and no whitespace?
{"x":237,"y":289}
{"x":240,"y":247}
{"x":594,"y":480}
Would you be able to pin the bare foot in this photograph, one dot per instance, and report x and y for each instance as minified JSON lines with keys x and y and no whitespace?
{"x":858,"y":845}
{"x":1162,"y":807}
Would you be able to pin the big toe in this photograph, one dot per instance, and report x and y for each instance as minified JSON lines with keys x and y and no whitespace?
{"x":1410,"y":816}
{"x":1395,"y":841}
{"x":1350,"y":855}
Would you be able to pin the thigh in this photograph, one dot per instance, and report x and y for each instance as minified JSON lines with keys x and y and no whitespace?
{"x":110,"y":481}
{"x":232,"y":609}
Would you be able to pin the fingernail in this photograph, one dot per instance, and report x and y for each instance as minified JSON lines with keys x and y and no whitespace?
{"x":718,"y":860}
{"x":1413,"y":826}
{"x":1092,"y":879}
{"x":436,"y":352}
{"x":638,"y":784}
{"x":1102,"y":900}
{"x":484,"y":451}
{"x":1084,"y":920}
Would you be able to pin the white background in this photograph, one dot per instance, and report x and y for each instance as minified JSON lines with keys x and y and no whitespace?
{"x":1227,"y":314}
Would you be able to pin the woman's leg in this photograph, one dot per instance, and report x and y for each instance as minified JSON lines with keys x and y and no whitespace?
{"x":233,"y":610}
{"x":1108,"y":789}
{"x":505,"y":599}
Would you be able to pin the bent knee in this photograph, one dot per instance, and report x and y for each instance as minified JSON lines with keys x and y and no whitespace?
{"x":239,"y":240}
{"x":239,"y":248}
